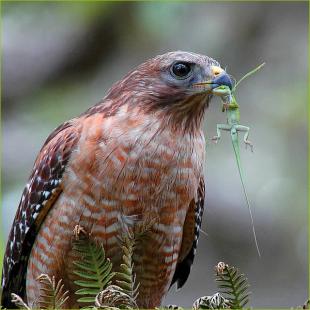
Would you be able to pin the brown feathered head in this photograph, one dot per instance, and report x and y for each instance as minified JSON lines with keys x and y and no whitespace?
{"x":178,"y":85}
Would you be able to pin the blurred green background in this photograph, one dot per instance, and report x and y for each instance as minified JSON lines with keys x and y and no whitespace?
{"x":60,"y":58}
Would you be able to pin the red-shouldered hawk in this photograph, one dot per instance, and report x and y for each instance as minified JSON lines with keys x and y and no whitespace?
{"x":137,"y":153}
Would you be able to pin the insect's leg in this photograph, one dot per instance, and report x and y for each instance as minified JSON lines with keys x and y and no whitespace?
{"x":246,"y":135}
{"x":220,"y":127}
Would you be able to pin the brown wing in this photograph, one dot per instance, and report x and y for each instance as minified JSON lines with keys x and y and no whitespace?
{"x":190,"y":237}
{"x":41,"y":192}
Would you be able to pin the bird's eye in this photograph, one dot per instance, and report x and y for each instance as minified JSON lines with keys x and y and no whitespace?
{"x":181,"y":70}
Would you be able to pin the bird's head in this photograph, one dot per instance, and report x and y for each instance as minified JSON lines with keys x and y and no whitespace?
{"x":177,"y":85}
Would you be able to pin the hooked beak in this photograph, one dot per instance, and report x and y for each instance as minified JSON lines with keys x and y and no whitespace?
{"x":219,"y":78}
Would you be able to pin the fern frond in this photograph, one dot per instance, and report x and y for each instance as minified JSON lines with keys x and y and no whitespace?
{"x":52,"y":295}
{"x":232,"y":284}
{"x":18,"y":301}
{"x":114,"y":297}
{"x":93,"y":269}
{"x":169,"y":307}
{"x":216,"y":301}
{"x":126,"y":279}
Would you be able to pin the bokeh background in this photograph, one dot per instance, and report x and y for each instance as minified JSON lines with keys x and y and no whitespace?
{"x":60,"y":58}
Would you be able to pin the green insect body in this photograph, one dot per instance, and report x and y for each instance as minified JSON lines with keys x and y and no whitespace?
{"x":233,"y":112}
{"x":231,"y":107}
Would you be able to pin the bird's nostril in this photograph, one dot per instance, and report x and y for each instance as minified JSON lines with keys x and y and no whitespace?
{"x":216,"y":70}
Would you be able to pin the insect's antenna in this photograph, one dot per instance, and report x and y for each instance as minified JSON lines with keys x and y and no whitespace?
{"x":248,"y":74}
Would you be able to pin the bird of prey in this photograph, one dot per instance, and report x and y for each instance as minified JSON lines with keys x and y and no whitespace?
{"x":138,"y":153}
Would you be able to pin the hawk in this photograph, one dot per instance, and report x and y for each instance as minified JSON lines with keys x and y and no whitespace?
{"x":139,"y":152}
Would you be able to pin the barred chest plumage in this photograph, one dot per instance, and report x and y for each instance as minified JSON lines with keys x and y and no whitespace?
{"x":127,"y":169}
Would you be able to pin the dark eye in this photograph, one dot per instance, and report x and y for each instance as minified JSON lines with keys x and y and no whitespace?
{"x":181,"y":69}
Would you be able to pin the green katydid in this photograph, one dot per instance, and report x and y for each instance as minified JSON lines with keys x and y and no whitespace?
{"x":231,"y":107}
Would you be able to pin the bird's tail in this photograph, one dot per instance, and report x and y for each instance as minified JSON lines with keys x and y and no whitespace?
{"x":235,"y":143}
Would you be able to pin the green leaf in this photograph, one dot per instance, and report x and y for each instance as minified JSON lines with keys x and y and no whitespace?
{"x":125,"y":279}
{"x":107,"y":280}
{"x":123,"y":276}
{"x":86,"y":275}
{"x":243,"y":290}
{"x":87,"y":283}
{"x":233,"y":285}
{"x":83,"y":266}
{"x":86,"y":291}
{"x":86,"y":299}
{"x":92,"y":268}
